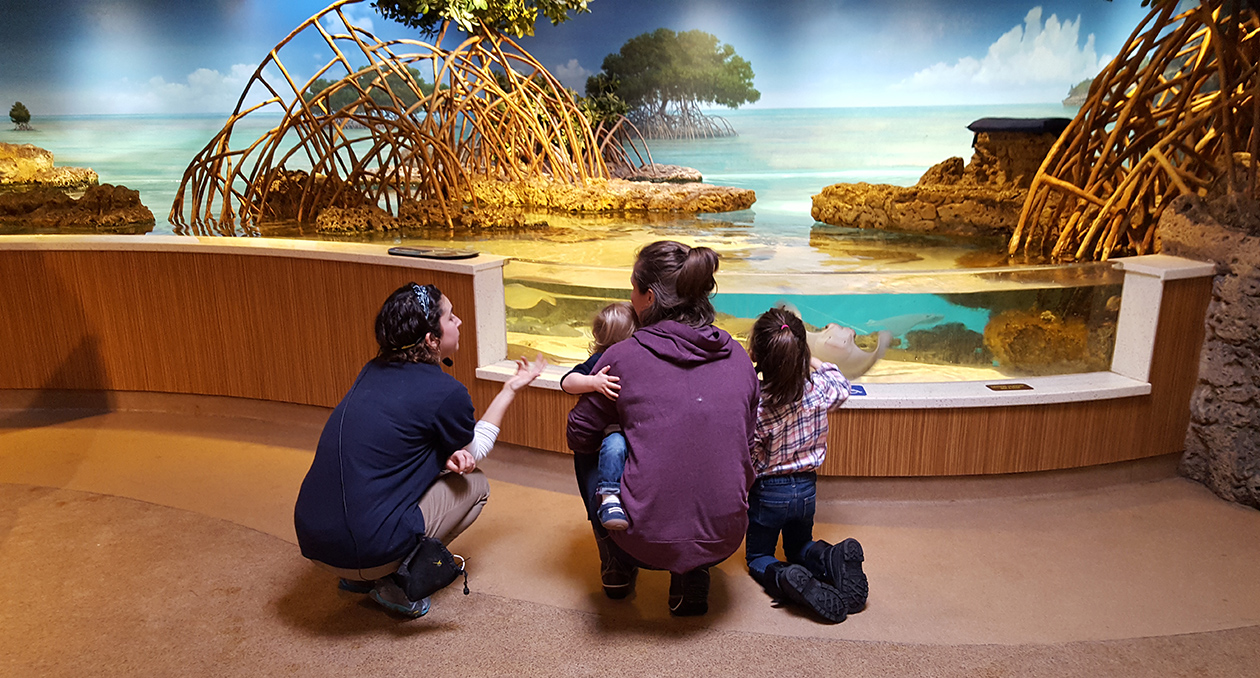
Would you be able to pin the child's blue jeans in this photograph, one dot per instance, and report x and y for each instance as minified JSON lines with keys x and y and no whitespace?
{"x":612,"y":461}
{"x":779,"y":504}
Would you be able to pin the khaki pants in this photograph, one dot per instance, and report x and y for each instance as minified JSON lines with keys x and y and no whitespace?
{"x":449,"y":507}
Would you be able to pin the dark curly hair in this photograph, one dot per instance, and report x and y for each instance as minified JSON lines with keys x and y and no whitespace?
{"x":411,"y":313}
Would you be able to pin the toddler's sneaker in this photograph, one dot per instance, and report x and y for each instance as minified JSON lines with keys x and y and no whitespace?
{"x":612,"y":516}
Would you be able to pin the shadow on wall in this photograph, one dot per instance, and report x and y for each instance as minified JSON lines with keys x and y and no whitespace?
{"x":76,"y":387}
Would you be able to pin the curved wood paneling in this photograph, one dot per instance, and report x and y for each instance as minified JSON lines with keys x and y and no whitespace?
{"x":298,"y":329}
{"x":247,"y":326}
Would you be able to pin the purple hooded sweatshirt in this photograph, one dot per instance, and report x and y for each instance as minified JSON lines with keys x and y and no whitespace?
{"x":688,"y":408}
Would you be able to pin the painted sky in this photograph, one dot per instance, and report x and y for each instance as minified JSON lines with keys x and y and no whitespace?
{"x":195,"y":56}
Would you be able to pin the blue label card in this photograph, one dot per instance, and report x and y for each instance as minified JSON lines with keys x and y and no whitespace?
{"x":854,"y":389}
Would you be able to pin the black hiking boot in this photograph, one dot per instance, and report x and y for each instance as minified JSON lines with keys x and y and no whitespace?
{"x":795,"y":583}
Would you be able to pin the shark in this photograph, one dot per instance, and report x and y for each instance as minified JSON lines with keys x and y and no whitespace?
{"x":900,"y":324}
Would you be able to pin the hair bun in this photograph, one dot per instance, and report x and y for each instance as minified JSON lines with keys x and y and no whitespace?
{"x":695,"y":278}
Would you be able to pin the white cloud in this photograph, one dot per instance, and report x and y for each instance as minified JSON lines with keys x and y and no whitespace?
{"x":572,"y":75}
{"x":204,"y":90}
{"x":363,"y":20}
{"x":1032,"y":62}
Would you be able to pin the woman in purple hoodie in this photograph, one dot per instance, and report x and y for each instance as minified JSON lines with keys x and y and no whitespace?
{"x":688,"y":409}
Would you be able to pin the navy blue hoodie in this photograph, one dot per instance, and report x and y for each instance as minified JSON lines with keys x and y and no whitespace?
{"x":383,"y":447}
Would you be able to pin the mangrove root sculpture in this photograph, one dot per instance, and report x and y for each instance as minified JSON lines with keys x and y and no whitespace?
{"x":1169,"y":115}
{"x":384,"y":124}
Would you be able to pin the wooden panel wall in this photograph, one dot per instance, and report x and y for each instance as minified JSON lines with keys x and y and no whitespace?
{"x":248,"y":326}
{"x":298,"y":330}
{"x":964,"y":441}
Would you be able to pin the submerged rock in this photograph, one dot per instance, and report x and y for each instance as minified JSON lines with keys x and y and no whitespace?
{"x":30,"y":165}
{"x":103,"y":208}
{"x":1036,"y":342}
{"x":948,"y":344}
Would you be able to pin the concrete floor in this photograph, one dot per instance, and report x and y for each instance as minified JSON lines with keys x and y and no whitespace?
{"x":1128,"y":551}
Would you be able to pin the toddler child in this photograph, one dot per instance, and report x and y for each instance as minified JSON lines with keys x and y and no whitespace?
{"x":790,"y":445}
{"x":613,"y":323}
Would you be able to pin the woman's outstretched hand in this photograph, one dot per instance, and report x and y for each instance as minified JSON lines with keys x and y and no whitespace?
{"x":526,"y":372}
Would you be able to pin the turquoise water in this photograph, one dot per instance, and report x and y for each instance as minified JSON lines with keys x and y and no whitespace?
{"x":774,"y":252}
{"x":785,"y":155}
{"x":865,"y":313}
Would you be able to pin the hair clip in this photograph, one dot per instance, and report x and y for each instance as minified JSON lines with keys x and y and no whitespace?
{"x":424,"y":297}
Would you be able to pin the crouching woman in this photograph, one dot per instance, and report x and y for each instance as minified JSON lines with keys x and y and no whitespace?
{"x":688,"y":409}
{"x":378,"y":479}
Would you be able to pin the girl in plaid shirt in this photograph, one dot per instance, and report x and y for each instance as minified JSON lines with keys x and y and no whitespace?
{"x":790,"y":445}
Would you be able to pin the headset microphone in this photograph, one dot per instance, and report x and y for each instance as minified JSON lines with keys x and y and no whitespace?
{"x":448,"y":362}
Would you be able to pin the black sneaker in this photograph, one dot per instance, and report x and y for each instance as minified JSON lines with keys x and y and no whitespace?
{"x":617,"y":577}
{"x":799,"y":586}
{"x":843,"y":563}
{"x":689,"y":593}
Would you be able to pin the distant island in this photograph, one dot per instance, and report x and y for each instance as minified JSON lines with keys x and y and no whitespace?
{"x":1078,"y":94}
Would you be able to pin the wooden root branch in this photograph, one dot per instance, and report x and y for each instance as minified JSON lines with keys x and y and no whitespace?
{"x":1163,"y":119}
{"x":385,"y":124}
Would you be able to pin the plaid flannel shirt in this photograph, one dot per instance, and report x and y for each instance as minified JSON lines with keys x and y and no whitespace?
{"x":793,"y":438}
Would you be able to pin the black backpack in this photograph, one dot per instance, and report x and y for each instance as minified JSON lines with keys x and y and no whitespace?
{"x":429,"y":568}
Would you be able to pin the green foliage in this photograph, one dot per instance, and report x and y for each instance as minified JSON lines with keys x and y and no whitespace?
{"x":19,"y":115}
{"x":511,"y":17}
{"x":347,"y":95}
{"x":606,"y":108}
{"x":655,"y":69}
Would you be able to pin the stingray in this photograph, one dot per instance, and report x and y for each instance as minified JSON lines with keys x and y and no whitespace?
{"x":521,"y":297}
{"x":835,"y":344}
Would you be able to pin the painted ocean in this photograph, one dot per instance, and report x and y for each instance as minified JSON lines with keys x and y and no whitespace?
{"x":786,"y":155}
{"x":868,"y":280}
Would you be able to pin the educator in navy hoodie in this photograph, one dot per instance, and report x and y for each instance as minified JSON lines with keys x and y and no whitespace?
{"x":688,"y":409}
{"x":377,"y":483}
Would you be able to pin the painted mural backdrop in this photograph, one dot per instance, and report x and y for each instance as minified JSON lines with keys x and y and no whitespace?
{"x":845,"y":92}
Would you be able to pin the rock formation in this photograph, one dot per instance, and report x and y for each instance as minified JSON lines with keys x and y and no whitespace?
{"x":503,"y":204}
{"x":29,"y":165}
{"x":1039,"y":343}
{"x":1223,"y":441}
{"x":661,"y":174}
{"x":983,"y":197}
{"x":103,"y":208}
{"x":947,"y":344}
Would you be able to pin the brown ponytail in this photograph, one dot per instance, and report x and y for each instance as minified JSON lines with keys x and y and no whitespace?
{"x":779,"y":348}
{"x":681,"y":278}
{"x":695,"y":278}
